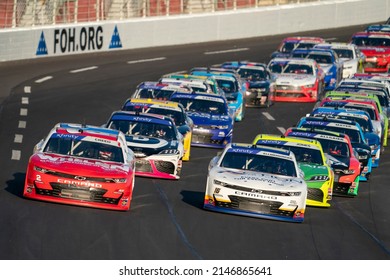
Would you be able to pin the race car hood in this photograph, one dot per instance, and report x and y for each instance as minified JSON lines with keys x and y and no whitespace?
{"x":231,"y":97}
{"x":311,"y":170}
{"x":295,"y":79}
{"x":256,"y":180}
{"x":259,"y":84}
{"x":209,"y":119}
{"x":372,"y":51}
{"x":80,"y":166}
{"x":145,"y":146}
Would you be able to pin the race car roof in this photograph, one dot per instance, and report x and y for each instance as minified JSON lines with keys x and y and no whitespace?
{"x":147,"y":102}
{"x":331,"y":122}
{"x":259,"y":149}
{"x":264,"y":139}
{"x":296,"y":60}
{"x":203,"y":96}
{"x":156,"y":85}
{"x":317,"y":134}
{"x":141,"y":117}
{"x":90,"y":130}
{"x":378,"y":28}
{"x":303,"y":38}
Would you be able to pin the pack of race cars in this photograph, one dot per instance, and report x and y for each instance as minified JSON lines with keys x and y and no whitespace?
{"x":328,"y":153}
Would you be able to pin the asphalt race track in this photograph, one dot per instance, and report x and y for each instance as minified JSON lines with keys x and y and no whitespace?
{"x":166,"y":220}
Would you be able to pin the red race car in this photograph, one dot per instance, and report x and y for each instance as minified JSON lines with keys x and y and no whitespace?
{"x":376,"y":48}
{"x":82,"y":165}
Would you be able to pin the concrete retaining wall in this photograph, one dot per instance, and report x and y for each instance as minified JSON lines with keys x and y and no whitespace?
{"x":59,"y":40}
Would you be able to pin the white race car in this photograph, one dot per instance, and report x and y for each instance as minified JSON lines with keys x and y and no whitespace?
{"x":352,"y":57}
{"x":296,"y":79}
{"x":257,"y":181}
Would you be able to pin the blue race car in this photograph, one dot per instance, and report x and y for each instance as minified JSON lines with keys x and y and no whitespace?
{"x":232,"y":86}
{"x":364,"y":120}
{"x":213,"y":120}
{"x":258,"y":93}
{"x":158,"y":90}
{"x":155,"y":141}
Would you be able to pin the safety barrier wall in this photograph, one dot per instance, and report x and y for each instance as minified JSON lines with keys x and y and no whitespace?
{"x":48,"y":41}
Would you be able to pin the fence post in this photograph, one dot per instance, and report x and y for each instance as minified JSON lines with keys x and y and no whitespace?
{"x":33,"y":12}
{"x":76,"y":11}
{"x":97,"y":10}
{"x":14,"y":13}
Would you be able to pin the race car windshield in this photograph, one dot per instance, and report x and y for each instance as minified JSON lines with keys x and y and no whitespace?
{"x":154,"y":94}
{"x":276,"y":67}
{"x":259,"y":163}
{"x":287,"y":47}
{"x":353,"y":134}
{"x":252,"y":75}
{"x":202,"y":106}
{"x":177,"y":116}
{"x":298,"y":69}
{"x":371,"y":41}
{"x":302,"y":154}
{"x":321,"y":58}
{"x":227,"y":86}
{"x":344,"y":53}
{"x":370,"y":111}
{"x":336,"y":148}
{"x":305,"y":45}
{"x":365,"y":124}
{"x":147,"y":129}
{"x":58,"y":144}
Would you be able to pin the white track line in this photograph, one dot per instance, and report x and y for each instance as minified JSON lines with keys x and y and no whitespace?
{"x":281,"y":129}
{"x":83,"y":69}
{"x":18,"y":138}
{"x":27,"y":89}
{"x":44,"y":79}
{"x":23,"y":112}
{"x":227,"y":51}
{"x":25,"y":100}
{"x":16,"y":155}
{"x":146,"y":60}
{"x":22,"y":124}
{"x":268,"y":116}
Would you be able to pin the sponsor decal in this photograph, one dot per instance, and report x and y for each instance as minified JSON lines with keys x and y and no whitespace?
{"x":80,"y":183}
{"x":68,"y":40}
{"x":258,"y":179}
{"x":256,"y":195}
{"x":210,"y":98}
{"x":115,"y":40}
{"x":42,"y":48}
{"x":60,"y":160}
